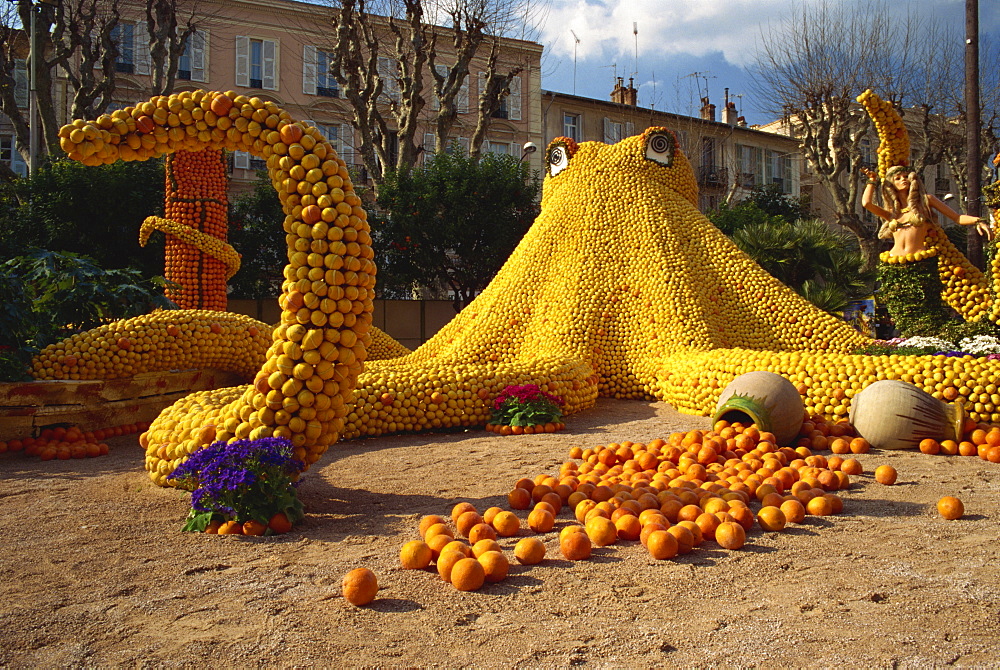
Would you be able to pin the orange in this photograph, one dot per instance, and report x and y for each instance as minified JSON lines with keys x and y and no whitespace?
{"x":254,"y":527}
{"x":529,"y":551}
{"x":601,"y":531}
{"x":707,"y":522}
{"x":428,"y":521}
{"x":950,"y":507}
{"x":771,"y":519}
{"x":860,"y":445}
{"x":482,"y":531}
{"x":468,"y":574}
{"x":437,"y":529}
{"x":446,"y":561}
{"x":460,"y":509}
{"x":793,"y":510}
{"x":506,"y":524}
{"x":495,"y":565}
{"x":628,"y":527}
{"x":648,"y":530}
{"x":685,"y":538}
{"x":743,"y":516}
{"x":415,"y":555}
{"x":541,"y":521}
{"x":851,"y":467}
{"x":231,"y":528}
{"x":949,"y":447}
{"x":730,"y":535}
{"x":519,"y":498}
{"x":489,"y":514}
{"x":819,"y":506}
{"x":930,"y":446}
{"x":457,"y":545}
{"x":885,"y":474}
{"x":213,"y":527}
{"x":481,"y":547}
{"x":662,"y":545}
{"x":575,"y":546}
{"x":359,"y":586}
{"x":466,"y":521}
{"x":437,"y":543}
{"x":836,"y":503}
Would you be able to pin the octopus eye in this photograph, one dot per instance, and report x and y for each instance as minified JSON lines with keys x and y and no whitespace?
{"x":558,"y":160}
{"x":660,"y":148}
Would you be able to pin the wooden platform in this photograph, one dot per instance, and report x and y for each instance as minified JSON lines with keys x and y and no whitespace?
{"x":26,"y":408}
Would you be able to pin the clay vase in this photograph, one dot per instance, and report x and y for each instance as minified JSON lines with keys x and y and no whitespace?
{"x":766,"y":399}
{"x":893,"y":414}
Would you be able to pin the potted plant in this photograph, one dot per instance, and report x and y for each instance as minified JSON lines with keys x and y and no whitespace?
{"x":525,"y":409}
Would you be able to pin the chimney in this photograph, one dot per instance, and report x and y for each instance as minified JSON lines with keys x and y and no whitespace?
{"x":729,"y":113}
{"x":741,"y":121}
{"x":707,"y":110}
{"x":622,"y":95}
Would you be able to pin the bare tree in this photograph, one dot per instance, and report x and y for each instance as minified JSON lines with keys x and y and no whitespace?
{"x":396,"y":63}
{"x":80,"y":40}
{"x":814,"y":65}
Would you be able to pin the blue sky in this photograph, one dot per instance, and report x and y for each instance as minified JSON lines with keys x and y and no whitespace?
{"x":677,"y":38}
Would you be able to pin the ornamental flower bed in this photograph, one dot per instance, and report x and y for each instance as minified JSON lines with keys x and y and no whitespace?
{"x":525,"y":409}
{"x":247,"y":487}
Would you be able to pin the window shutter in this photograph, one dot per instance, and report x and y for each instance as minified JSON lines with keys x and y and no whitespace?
{"x":629,"y":129}
{"x":242,"y":60}
{"x":482,"y":85}
{"x":516,"y":149}
{"x":309,"y":70}
{"x":463,"y":143}
{"x":463,"y":97}
{"x":269,"y":79}
{"x":140,"y":37}
{"x":429,"y":142}
{"x":607,"y":131}
{"x":21,"y":82}
{"x":388,"y":71}
{"x":241,"y":159}
{"x":443,"y":71}
{"x":514,"y":100}
{"x":199,"y":53}
{"x":347,"y":143}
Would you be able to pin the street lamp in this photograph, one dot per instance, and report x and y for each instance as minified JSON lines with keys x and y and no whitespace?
{"x":527,"y":149}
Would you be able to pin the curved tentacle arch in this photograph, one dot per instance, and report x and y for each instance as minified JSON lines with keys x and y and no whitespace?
{"x":305,"y":385}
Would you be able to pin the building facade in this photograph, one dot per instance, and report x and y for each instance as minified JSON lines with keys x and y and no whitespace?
{"x":279,"y":50}
{"x":728,"y":157}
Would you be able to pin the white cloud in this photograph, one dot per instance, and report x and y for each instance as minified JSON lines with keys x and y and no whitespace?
{"x":695,"y":27}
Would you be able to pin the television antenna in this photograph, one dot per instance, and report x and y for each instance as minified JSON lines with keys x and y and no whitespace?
{"x":698,"y":76}
{"x":635,"y":61}
{"x":576,"y":43}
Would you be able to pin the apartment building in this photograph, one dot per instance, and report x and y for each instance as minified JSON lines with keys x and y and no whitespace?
{"x":279,"y":50}
{"x":728,"y":157}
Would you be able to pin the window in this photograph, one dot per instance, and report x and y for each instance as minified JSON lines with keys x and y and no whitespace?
{"x":459,"y":146}
{"x":247,"y":161}
{"x":510,"y":104}
{"x":21,"y":82}
{"x":11,"y":156}
{"x":388,"y":71}
{"x":430,"y":139}
{"x":612,"y":131}
{"x":572,"y":127}
{"x":505,"y":148}
{"x":123,"y":34}
{"x":316,"y":75}
{"x":192,"y":65}
{"x":256,"y":63}
{"x":341,"y":138}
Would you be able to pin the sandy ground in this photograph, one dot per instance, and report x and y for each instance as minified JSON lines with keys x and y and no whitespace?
{"x":96,"y":572}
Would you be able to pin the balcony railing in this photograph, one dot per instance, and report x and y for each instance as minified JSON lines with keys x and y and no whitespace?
{"x":710,"y":175}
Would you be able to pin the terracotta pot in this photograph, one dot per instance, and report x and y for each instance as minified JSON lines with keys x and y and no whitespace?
{"x":766,"y":399}
{"x":893,"y":414}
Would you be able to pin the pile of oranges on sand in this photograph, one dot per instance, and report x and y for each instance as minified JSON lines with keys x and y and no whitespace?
{"x":65,"y":442}
{"x":671,"y":495}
